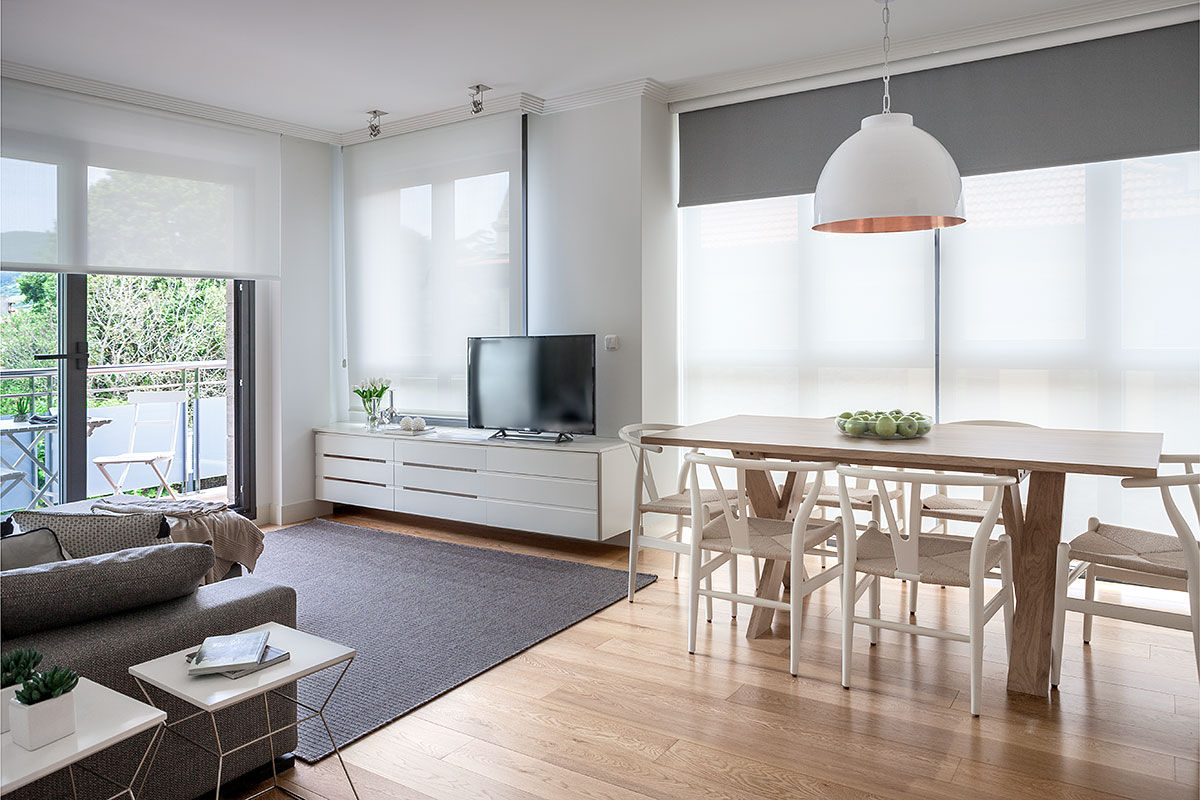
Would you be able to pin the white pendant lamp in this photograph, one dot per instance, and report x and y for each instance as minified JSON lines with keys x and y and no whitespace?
{"x":889,"y":176}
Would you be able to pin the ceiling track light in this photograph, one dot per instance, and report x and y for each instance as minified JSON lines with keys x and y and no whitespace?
{"x":477,"y":96}
{"x":890,"y":175}
{"x":373,"y":126}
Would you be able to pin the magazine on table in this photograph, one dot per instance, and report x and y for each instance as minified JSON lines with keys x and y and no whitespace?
{"x":234,"y":656}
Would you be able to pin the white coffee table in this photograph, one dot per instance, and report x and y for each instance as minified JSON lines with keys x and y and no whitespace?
{"x":211,"y":693}
{"x":103,"y":718}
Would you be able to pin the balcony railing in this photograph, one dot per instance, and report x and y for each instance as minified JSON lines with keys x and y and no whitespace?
{"x":200,"y":449}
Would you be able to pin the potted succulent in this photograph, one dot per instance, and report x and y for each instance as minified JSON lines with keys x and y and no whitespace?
{"x":43,"y":709}
{"x":23,"y":409}
{"x":16,"y":667}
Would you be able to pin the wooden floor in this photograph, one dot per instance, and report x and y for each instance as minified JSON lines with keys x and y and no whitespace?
{"x":614,"y":707}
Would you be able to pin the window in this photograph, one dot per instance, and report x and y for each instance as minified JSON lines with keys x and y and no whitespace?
{"x":433,"y":256}
{"x":1067,"y":300}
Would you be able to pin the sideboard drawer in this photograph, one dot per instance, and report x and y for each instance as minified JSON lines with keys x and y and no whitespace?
{"x":543,"y":519}
{"x":522,"y":461}
{"x":440,"y":505}
{"x":547,"y":491}
{"x":437,"y":454}
{"x":376,"y":449}
{"x":352,"y":493}
{"x":458,"y":481}
{"x":354,"y":469}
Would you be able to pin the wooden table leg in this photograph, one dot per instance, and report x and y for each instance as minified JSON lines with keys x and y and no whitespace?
{"x":1035,"y":546}
{"x":767,"y":502}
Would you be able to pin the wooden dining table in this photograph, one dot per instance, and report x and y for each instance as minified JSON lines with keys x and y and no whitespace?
{"x":1034,"y":523}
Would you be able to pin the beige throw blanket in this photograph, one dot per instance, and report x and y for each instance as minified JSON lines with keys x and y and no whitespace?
{"x":234,"y":539}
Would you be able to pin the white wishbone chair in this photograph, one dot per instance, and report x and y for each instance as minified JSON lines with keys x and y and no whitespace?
{"x":1141,"y":557}
{"x":736,"y":533}
{"x":945,"y":508}
{"x":647,"y":500}
{"x":924,"y":558}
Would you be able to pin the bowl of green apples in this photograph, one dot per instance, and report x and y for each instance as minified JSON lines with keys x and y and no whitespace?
{"x":895,"y":424}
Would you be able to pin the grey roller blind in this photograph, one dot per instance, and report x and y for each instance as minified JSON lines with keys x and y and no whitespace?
{"x":1120,"y":97}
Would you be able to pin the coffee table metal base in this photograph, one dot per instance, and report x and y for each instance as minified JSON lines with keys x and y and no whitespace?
{"x":220,"y":752}
{"x":127,"y":791}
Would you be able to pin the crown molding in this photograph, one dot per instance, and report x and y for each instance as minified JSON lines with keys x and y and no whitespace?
{"x":1049,"y":29}
{"x":641,"y":87}
{"x":161,"y":102}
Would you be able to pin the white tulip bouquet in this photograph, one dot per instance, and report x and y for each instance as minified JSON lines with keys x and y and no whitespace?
{"x":371,"y":389}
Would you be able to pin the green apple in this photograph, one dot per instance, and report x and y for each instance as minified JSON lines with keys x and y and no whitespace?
{"x":841,"y":424}
{"x":862,"y":413}
{"x":907,"y":427}
{"x":924,"y":425}
{"x":885,"y":428}
{"x":855,"y":426}
{"x":845,"y":415}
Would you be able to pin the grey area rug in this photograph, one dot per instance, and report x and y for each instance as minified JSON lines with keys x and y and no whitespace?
{"x":423,"y":615}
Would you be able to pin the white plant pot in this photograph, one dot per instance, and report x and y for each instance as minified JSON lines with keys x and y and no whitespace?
{"x":6,"y":694}
{"x":42,"y":723}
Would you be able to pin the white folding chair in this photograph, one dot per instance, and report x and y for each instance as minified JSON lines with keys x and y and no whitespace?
{"x":1134,"y":556}
{"x":646,"y":500}
{"x":924,"y":558}
{"x":168,"y":405}
{"x":736,"y":533}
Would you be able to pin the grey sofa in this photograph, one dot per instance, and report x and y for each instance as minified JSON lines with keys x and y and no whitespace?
{"x":102,"y":614}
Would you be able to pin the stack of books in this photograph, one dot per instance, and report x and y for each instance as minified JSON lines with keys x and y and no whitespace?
{"x":235,"y":656}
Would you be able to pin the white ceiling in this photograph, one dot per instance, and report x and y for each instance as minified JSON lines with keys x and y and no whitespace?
{"x":322,"y":64}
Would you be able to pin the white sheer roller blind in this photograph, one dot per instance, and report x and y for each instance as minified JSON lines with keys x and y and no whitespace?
{"x":433,"y":256}
{"x":778,"y":319}
{"x":134,"y":191}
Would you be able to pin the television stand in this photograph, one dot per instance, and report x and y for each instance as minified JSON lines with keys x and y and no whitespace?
{"x":532,"y":436}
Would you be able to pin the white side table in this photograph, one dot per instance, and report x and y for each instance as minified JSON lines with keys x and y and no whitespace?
{"x":211,"y":693}
{"x":103,"y":718}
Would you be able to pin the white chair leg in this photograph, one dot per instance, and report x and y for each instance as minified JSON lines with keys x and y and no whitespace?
{"x":733,"y":570}
{"x":116,"y":489}
{"x":1089,"y":592}
{"x":675,"y":556}
{"x":795,"y":616}
{"x":975,"y":591}
{"x":1194,"y":597}
{"x":912,"y":597}
{"x":1062,"y":570}
{"x":162,"y":479}
{"x":757,"y":571}
{"x":693,"y":599}
{"x":635,"y":531}
{"x":873,"y":612}
{"x":1010,"y":595}
{"x":707,"y":599}
{"x":848,"y":586}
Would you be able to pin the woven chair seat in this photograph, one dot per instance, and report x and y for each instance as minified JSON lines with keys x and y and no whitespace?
{"x":860,"y":499}
{"x":769,"y":538}
{"x":680,"y":504}
{"x":944,"y":560}
{"x":1130,"y":548}
{"x":964,"y":509}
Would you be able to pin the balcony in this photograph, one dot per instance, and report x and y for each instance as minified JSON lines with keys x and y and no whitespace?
{"x":202,"y":448}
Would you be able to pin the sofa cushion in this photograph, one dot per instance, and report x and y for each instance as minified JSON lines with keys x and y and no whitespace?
{"x":29,"y":548}
{"x":84,"y":535}
{"x":68,"y":592}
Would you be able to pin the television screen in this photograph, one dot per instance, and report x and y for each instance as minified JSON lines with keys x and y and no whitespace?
{"x":532,"y":383}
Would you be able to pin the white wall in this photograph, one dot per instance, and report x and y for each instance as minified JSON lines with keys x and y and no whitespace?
{"x":601,"y":235}
{"x":295,"y":386}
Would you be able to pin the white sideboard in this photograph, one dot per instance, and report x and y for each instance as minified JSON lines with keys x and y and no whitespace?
{"x":581,"y":489}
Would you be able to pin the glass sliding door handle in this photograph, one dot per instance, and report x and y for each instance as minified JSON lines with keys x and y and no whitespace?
{"x":81,"y":358}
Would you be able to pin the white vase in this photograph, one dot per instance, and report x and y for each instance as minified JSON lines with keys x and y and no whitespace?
{"x":42,"y":723}
{"x":6,"y":694}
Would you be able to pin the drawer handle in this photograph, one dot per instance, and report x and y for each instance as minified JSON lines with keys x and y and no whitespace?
{"x":360,"y":483}
{"x":355,"y":458}
{"x":439,"y":491}
{"x":437,"y":466}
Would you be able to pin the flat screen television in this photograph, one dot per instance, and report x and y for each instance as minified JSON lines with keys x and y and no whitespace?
{"x":532,"y":384}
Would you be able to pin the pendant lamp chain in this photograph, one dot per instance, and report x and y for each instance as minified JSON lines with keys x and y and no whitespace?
{"x":887,"y":48}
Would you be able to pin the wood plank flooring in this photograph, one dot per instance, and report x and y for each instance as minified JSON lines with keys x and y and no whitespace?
{"x":614,"y":707}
